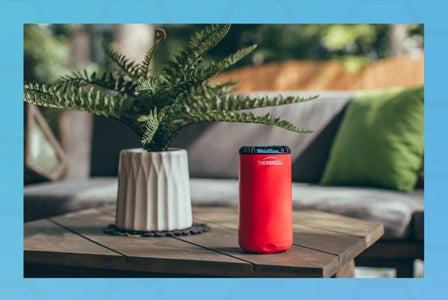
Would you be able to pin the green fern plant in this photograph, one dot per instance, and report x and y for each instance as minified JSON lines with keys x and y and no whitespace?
{"x":158,"y":106}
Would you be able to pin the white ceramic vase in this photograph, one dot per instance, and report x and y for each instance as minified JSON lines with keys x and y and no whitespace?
{"x":153,"y":190}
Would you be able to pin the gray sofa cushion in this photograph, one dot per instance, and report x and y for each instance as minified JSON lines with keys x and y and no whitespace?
{"x":213,"y":147}
{"x":394,"y":209}
{"x":54,"y":198}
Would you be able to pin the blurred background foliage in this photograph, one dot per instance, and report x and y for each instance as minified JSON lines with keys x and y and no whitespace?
{"x":355,"y":45}
{"x":51,"y":50}
{"x":47,"y":47}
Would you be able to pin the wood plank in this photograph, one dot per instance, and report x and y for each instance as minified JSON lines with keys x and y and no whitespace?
{"x":228,"y":217}
{"x":370,"y":231}
{"x":347,"y":270}
{"x":161,"y":255}
{"x":345,"y":245}
{"x":48,"y":243}
{"x":225,"y":216}
{"x":55,"y":271}
{"x":323,"y":243}
{"x":108,"y":209}
{"x":296,"y":262}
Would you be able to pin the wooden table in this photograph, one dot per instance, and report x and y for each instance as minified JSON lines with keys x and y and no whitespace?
{"x":74,"y":245}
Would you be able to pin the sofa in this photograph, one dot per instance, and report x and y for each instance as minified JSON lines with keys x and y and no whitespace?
{"x":213,"y":164}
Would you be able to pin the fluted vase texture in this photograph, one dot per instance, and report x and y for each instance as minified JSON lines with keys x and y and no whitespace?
{"x":153,"y":190}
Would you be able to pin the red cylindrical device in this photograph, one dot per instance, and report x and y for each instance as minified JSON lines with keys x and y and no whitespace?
{"x":265,"y":208}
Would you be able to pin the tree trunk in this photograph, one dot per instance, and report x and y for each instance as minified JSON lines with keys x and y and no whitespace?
{"x":133,"y":40}
{"x":398,"y":35}
{"x":76,"y":127}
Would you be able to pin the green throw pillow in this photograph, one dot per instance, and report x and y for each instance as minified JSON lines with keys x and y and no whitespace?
{"x":380,"y":141}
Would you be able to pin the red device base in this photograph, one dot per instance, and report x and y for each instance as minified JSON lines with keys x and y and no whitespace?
{"x":265,"y":211}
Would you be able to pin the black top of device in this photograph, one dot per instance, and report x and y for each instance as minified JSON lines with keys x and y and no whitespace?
{"x":277,"y":149}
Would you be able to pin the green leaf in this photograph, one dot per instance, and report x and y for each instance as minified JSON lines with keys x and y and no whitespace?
{"x":143,"y":70}
{"x":239,"y":102}
{"x":246,"y":117}
{"x":200,"y":43}
{"x":235,"y":57}
{"x":151,"y":126}
{"x":92,"y":101}
{"x":123,"y":64}
{"x":108,"y":81}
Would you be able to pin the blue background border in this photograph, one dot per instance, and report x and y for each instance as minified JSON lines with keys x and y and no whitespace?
{"x":14,"y":13}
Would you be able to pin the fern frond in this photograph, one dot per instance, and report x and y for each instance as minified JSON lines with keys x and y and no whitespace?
{"x":92,"y":101}
{"x":200,"y":43}
{"x":207,"y":38}
{"x":123,"y":64}
{"x":193,"y":80}
{"x":109,"y":81}
{"x":199,"y":75}
{"x":148,"y":86}
{"x":231,"y":59}
{"x":245,"y":117}
{"x":196,"y":114}
{"x":153,"y":120}
{"x":222,"y":88}
{"x":143,"y":70}
{"x":158,"y":93}
{"x":76,"y":79}
{"x":240,"y":102}
{"x":211,"y":98}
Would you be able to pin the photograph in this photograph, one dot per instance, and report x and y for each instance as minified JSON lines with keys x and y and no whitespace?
{"x":214,"y":150}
